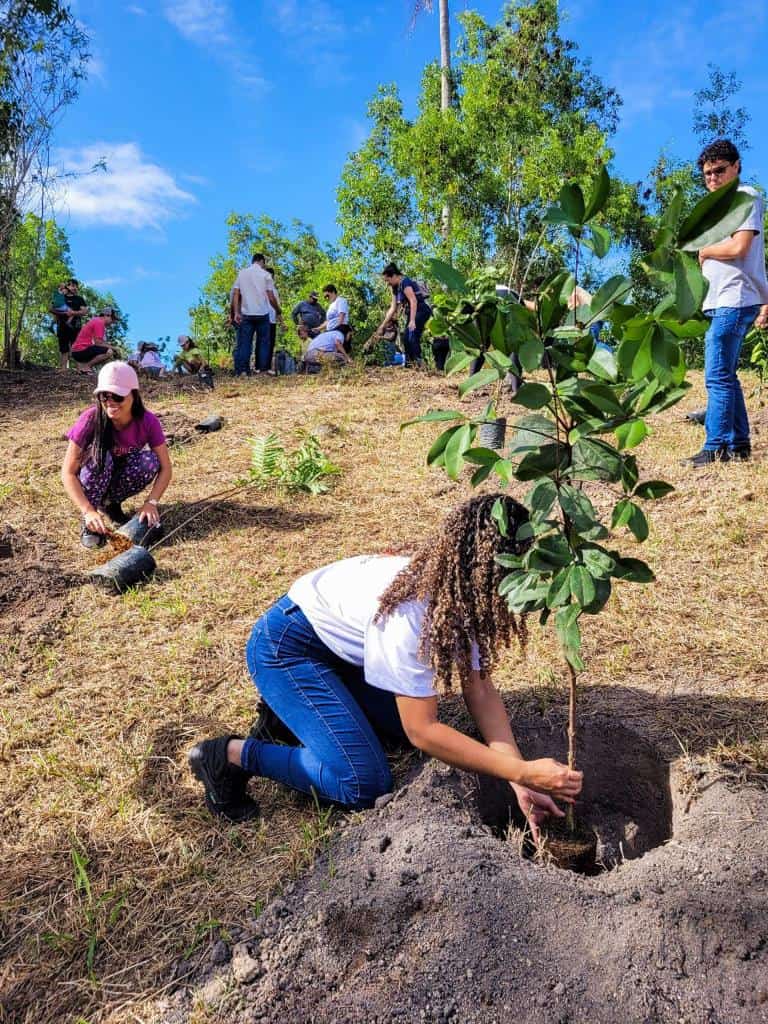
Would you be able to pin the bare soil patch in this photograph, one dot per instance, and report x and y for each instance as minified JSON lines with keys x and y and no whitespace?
{"x":420,"y":911}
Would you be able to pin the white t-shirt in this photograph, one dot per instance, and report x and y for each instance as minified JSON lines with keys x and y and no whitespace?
{"x":152,"y":360}
{"x":742,"y":282}
{"x":253,"y":283}
{"x":335,"y":310}
{"x":340,"y":600}
{"x":325,"y":342}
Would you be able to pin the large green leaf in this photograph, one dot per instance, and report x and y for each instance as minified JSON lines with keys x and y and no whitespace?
{"x":435,"y":416}
{"x":549,"y":554}
{"x":599,"y":241}
{"x":596,"y":460}
{"x":582,"y":585}
{"x":541,"y":497}
{"x":533,"y":396}
{"x":541,"y":461}
{"x":569,"y":634}
{"x":559,"y":592}
{"x":530,"y":353}
{"x":715,"y":217}
{"x":532,"y":431}
{"x":458,"y":361}
{"x":598,"y":197}
{"x":690,"y":285}
{"x":580,"y":510}
{"x":598,"y":561}
{"x":603,"y":364}
{"x":602,"y":397}
{"x":671,"y":215}
{"x":653,"y":489}
{"x":614,"y":289}
{"x":627,"y":513}
{"x":439,"y":446}
{"x":454,"y":450}
{"x":631,"y":433}
{"x":481,"y":379}
{"x":447,"y":275}
{"x":632,"y":570}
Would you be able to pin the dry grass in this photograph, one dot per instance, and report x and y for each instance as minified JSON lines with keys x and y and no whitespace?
{"x":102,"y":696}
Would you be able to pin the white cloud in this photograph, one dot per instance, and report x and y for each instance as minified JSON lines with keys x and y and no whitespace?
{"x":105,"y":282}
{"x":132,"y":191}
{"x":211,"y":25}
{"x":140,"y":12}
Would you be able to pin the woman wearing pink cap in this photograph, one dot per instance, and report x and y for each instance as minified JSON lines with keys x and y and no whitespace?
{"x":116,"y":449}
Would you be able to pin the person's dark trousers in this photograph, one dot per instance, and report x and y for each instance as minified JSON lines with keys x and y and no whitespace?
{"x":326,"y":703}
{"x":726,"y":421}
{"x":250,"y":325}
{"x":272,"y":340}
{"x":412,"y":339}
{"x":441,"y":348}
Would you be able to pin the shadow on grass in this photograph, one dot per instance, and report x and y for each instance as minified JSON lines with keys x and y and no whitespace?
{"x":223,"y":516}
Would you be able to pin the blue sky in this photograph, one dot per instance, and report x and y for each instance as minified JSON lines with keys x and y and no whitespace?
{"x":201,"y":107}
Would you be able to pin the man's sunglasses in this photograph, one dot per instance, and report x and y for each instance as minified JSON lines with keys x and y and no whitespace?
{"x":110,"y":396}
{"x":716,"y":172}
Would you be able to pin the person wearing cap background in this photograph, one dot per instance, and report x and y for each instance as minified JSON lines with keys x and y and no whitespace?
{"x":189,"y":359}
{"x":86,"y":350}
{"x":309,"y":312}
{"x":116,"y":449}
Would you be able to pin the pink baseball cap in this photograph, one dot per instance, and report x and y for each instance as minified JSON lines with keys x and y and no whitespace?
{"x":117,"y":377}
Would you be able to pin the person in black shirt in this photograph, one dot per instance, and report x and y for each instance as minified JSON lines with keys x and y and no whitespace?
{"x":308,"y":312}
{"x":68,"y":327}
{"x":410,"y":296}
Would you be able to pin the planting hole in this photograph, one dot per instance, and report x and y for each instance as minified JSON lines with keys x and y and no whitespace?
{"x":626,"y":798}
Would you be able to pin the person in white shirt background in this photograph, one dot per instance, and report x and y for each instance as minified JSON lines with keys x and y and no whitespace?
{"x":357,"y":652}
{"x":253,"y":296}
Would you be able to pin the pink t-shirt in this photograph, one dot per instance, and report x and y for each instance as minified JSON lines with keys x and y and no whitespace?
{"x":90,"y":334}
{"x":147,"y":431}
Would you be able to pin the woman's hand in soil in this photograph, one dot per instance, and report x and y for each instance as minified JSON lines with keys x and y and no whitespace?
{"x":94,"y":522}
{"x":549,"y":776}
{"x":536,"y":807}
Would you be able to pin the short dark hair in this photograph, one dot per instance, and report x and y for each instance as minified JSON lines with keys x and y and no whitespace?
{"x":258,"y":257}
{"x":270,"y":271}
{"x":344,"y":329}
{"x":390,"y":270}
{"x":720,"y":149}
{"x":331,"y":288}
{"x":73,"y":281}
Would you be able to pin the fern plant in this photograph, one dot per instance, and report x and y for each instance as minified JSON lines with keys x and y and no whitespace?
{"x":759,"y":358}
{"x":304,"y":469}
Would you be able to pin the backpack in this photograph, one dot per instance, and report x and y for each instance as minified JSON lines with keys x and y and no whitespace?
{"x":284,"y":363}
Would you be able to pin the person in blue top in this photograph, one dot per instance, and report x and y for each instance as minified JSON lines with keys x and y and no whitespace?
{"x":408,"y":295}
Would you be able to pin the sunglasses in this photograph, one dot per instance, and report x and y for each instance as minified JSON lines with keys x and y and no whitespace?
{"x":716,"y":172}
{"x":110,"y":396}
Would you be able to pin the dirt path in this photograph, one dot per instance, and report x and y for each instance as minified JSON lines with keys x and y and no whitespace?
{"x":421,"y":912}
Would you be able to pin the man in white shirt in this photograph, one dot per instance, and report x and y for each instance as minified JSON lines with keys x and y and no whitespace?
{"x":337,"y":312}
{"x":253,"y":297}
{"x":737,"y":297}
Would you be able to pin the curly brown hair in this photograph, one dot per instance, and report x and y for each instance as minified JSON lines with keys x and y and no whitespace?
{"x":456,"y":575}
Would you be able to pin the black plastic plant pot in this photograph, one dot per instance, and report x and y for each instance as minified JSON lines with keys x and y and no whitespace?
{"x":142,"y":533}
{"x":208,"y":425}
{"x":124,"y":570}
{"x":492,"y":434}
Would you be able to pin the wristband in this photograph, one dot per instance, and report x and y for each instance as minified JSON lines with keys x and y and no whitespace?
{"x":152,"y":501}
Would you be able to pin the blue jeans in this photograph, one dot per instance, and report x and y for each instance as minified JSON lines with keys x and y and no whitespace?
{"x":328,"y":706}
{"x":250,"y":325}
{"x":726,"y":422}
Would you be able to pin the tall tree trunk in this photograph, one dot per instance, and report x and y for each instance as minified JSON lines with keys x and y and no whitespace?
{"x":446,"y":94}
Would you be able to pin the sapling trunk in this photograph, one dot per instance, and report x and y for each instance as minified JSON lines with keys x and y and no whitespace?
{"x":571,"y":735}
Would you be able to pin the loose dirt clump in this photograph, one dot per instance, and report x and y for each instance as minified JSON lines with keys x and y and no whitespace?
{"x":426,"y":909}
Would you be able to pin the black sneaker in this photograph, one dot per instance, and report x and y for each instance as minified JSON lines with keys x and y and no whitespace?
{"x":697,"y":416}
{"x":742,"y":453}
{"x":90,"y":539}
{"x":706,"y":458}
{"x":116,"y":514}
{"x":224,"y":783}
{"x":268,"y":728}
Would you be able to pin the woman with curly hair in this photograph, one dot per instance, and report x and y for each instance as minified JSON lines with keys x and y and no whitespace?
{"x":357,"y":651}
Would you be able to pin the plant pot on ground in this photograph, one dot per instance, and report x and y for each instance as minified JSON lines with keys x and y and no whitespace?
{"x":492,"y":433}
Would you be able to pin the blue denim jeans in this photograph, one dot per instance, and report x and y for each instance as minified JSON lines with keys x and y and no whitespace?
{"x":250,"y":325}
{"x":329,"y":707}
{"x":726,"y":422}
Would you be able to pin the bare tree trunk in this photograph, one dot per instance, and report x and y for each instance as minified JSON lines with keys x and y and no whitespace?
{"x":446,"y":94}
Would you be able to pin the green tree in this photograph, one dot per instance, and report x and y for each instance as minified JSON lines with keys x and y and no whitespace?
{"x":526,"y":112}
{"x":585,"y":415}
{"x":713,"y":116}
{"x":42,"y":62}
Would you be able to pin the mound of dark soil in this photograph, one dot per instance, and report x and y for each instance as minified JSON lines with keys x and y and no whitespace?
{"x":32,"y":585}
{"x":426,"y":910}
